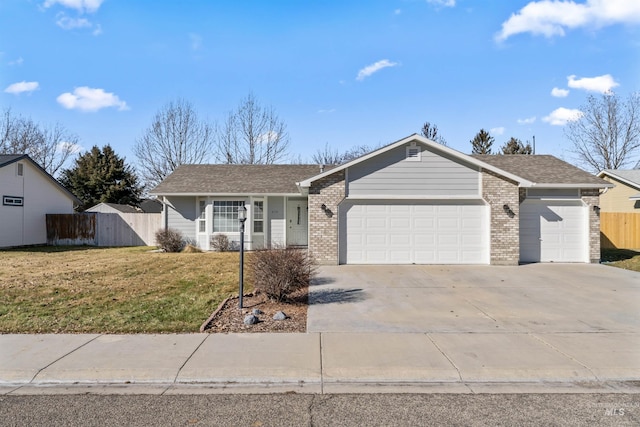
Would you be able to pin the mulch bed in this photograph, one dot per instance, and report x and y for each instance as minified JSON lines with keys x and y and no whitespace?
{"x":228,"y":318}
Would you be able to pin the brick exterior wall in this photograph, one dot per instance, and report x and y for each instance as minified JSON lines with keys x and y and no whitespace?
{"x":591,"y":197}
{"x":505,"y":227}
{"x":323,"y":224}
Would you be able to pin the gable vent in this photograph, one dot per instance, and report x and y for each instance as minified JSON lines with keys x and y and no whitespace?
{"x":413,"y":153}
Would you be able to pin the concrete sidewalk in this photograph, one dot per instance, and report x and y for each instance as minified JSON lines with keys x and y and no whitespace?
{"x":320,"y":363}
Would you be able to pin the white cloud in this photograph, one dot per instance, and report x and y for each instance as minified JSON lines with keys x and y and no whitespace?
{"x":560,"y":116}
{"x":196,"y":41}
{"x":21,"y":87}
{"x":88,"y":99}
{"x":373,"y":68}
{"x":497,"y":131}
{"x":445,"y":3}
{"x":331,"y":110}
{"x":18,"y":61}
{"x":82,"y":6}
{"x":527,"y":121}
{"x":67,"y":23}
{"x":559,"y":93}
{"x":397,"y":12}
{"x":602,"y":84}
{"x":552,"y":17}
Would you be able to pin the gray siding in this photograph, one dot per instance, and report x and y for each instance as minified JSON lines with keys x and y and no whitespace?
{"x":390,"y":174}
{"x":276,"y":218}
{"x":181,"y":215}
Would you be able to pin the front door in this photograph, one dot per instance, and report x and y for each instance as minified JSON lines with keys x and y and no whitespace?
{"x":297,"y":222}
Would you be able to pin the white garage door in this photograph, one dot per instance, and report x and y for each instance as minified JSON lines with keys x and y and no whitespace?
{"x":553,"y":231}
{"x":414,"y":232}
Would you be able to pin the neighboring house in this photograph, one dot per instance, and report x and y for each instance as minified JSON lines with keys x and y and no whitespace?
{"x":146,"y":206}
{"x":411,"y":202}
{"x":28,"y":194}
{"x":625,"y":195}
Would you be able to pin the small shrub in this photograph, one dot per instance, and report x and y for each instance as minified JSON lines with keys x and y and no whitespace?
{"x":281,"y":271}
{"x":221,"y":243}
{"x":170,"y":240}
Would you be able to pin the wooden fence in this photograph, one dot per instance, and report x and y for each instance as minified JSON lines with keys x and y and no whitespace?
{"x":103,"y":229}
{"x":620,"y":230}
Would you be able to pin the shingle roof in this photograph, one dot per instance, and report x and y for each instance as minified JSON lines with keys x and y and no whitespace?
{"x":632,"y":176}
{"x":235,"y":179}
{"x":5,"y":159}
{"x":541,"y":169}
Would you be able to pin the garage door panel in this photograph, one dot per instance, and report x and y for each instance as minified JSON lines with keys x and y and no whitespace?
{"x":553,"y":231}
{"x":414,"y":232}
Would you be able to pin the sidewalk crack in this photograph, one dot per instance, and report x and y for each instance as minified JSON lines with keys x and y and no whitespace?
{"x":447,"y":357}
{"x":568,"y":356}
{"x":175,"y":379}
{"x":63,"y":356}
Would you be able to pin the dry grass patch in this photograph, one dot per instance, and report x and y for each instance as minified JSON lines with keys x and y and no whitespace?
{"x":622,"y":258}
{"x":112,"y":290}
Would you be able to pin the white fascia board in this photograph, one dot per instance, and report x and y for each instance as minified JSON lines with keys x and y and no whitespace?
{"x":534,"y":185}
{"x":619,"y":178}
{"x":635,"y":197}
{"x":397,"y":197}
{"x":428,"y":143}
{"x":227,"y":194}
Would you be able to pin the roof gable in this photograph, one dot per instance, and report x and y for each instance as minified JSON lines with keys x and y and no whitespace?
{"x":7,"y":159}
{"x":630,"y":177}
{"x":234,"y":179}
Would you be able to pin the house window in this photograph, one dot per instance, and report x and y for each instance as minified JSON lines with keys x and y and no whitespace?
{"x":258,"y":216}
{"x":20,"y":169}
{"x":225,"y":216}
{"x":202,"y":221}
{"x":12,"y":201}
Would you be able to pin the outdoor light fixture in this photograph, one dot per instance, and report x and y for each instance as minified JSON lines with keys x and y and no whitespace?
{"x":242,"y":217}
{"x":323,"y":207}
{"x":508,"y":210}
{"x":596,"y":208}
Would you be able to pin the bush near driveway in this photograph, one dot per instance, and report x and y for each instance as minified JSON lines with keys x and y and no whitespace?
{"x":622,"y":258}
{"x":112,"y":290}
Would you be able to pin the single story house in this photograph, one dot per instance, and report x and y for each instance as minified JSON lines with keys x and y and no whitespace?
{"x":411,"y":202}
{"x":625,"y":195}
{"x":28,"y":194}
{"x":146,"y":206}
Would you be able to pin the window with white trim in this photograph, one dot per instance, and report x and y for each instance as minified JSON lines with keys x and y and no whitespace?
{"x":225,"y":216}
{"x":258,"y":216}
{"x":202,"y":220}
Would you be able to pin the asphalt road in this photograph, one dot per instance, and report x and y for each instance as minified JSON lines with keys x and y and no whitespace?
{"x":322,"y":410}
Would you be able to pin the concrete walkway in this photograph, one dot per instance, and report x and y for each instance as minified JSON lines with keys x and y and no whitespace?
{"x":319,"y":363}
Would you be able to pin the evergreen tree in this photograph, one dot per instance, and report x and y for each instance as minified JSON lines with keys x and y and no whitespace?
{"x":481,"y":143}
{"x":515,"y":146}
{"x":101,"y":176}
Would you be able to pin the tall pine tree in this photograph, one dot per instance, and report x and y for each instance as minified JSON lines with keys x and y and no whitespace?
{"x":481,"y":143}
{"x":515,"y":146}
{"x":101,"y":176}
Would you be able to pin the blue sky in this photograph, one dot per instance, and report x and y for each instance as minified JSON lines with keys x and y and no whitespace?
{"x":342,"y":72}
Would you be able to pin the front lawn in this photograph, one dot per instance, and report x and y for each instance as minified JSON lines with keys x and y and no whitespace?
{"x":111,"y":290}
{"x":622,"y":258}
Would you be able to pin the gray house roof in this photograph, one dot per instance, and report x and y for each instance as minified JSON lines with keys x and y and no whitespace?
{"x":235,"y":179}
{"x":543,"y":170}
{"x":630,"y":176}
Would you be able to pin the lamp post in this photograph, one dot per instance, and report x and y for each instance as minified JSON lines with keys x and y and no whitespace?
{"x":242,"y":217}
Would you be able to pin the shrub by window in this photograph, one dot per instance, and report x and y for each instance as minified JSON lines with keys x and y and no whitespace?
{"x":281,"y":271}
{"x":170,"y":240}
{"x":221,"y":243}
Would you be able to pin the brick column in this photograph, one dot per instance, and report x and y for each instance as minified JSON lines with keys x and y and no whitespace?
{"x":505,"y":228}
{"x":323,"y":223}
{"x":591,"y":197}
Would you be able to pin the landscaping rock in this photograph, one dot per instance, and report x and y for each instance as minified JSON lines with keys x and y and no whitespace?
{"x":250,"y":319}
{"x":280,"y":315}
{"x":257,"y":311}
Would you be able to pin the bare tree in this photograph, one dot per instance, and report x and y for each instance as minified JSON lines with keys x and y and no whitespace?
{"x":327,"y":156}
{"x":49,"y":146}
{"x":176,"y":136}
{"x":607,"y":135}
{"x":430,"y":131}
{"x":252,"y":134}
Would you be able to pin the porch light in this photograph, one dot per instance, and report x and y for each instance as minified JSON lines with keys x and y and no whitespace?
{"x":508,"y":211}
{"x":242,"y":217}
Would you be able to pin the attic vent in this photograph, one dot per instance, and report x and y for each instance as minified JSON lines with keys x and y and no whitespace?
{"x":20,"y":169}
{"x":413,"y":153}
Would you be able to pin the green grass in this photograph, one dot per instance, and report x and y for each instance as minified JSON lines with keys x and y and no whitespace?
{"x":622,"y":258}
{"x":112,"y":290}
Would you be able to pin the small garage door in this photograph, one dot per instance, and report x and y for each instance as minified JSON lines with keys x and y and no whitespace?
{"x":384,"y":232}
{"x":553,"y":231}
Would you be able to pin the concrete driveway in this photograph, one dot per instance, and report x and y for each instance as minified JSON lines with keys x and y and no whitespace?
{"x":489,"y":299}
